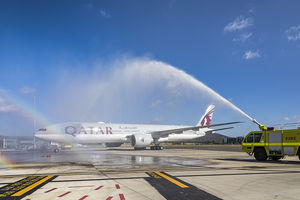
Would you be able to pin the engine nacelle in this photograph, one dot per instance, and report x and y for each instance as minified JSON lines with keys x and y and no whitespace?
{"x":141,"y":140}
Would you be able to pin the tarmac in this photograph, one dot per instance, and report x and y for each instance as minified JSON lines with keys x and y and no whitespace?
{"x":122,"y":173}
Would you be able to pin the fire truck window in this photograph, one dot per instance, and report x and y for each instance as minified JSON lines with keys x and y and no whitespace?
{"x":250,"y":138}
{"x":257,"y":137}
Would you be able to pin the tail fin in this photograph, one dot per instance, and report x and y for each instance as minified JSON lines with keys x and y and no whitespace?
{"x":207,"y":117}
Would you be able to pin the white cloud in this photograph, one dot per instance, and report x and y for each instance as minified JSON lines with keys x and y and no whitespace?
{"x":171,"y":105}
{"x":251,"y":54}
{"x":293,"y":118}
{"x":103,"y":13}
{"x":27,"y":90}
{"x":238,"y":24}
{"x":251,"y":11}
{"x":157,"y":120}
{"x":242,"y":38}
{"x":154,"y":104}
{"x":6,"y":107}
{"x":293,"y":33}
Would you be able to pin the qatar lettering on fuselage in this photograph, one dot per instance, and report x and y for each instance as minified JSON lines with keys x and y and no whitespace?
{"x":72,"y":130}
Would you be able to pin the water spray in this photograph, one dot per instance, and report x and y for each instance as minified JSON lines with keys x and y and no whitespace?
{"x":125,"y":76}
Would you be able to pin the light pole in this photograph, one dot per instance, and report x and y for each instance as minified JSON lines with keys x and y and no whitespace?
{"x":34,"y":121}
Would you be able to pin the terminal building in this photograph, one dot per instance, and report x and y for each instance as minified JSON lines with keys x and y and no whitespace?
{"x":215,"y":138}
{"x":16,"y":142}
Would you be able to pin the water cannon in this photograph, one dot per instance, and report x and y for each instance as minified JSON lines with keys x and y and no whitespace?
{"x":263,"y":127}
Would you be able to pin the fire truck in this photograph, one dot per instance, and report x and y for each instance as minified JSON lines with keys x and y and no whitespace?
{"x":269,"y":143}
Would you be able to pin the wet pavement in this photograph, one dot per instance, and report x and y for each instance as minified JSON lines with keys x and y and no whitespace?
{"x":168,"y":174}
{"x":101,"y":159}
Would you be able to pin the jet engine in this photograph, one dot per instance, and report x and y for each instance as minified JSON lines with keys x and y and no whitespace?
{"x":141,"y":141}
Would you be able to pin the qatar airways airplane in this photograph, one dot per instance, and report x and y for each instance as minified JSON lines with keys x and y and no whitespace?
{"x":138,"y":135}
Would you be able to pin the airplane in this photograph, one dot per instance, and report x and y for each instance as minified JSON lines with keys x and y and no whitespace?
{"x":139,"y":136}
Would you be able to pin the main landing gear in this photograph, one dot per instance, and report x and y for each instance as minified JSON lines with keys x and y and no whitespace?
{"x":156,"y":148}
{"x":156,"y":145}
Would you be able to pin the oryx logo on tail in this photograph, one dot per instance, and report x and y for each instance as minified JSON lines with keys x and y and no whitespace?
{"x":207,"y":117}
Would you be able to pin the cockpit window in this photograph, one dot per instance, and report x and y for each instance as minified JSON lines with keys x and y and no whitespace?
{"x":42,"y":129}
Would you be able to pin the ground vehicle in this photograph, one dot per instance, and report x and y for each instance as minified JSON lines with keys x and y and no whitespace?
{"x":272,"y":144}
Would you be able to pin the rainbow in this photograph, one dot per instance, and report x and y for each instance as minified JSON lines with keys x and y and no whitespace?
{"x":29,"y":112}
{"x":25,"y":109}
{"x":5,"y":163}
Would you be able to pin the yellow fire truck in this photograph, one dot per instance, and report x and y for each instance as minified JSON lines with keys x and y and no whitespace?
{"x":271,"y":143}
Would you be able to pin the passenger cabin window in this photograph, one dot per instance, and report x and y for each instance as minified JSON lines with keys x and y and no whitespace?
{"x":250,"y":138}
{"x":257,"y":137}
{"x":42,"y":129}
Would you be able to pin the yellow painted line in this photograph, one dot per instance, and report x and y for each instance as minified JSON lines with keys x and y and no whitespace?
{"x":21,"y":192}
{"x":172,"y":180}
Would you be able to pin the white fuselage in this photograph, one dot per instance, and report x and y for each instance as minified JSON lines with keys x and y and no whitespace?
{"x":95,"y":133}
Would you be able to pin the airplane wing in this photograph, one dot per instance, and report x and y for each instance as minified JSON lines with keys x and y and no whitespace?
{"x":219,"y":129}
{"x":165,"y":133}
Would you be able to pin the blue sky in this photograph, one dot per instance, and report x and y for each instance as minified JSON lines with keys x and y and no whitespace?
{"x":248,"y":51}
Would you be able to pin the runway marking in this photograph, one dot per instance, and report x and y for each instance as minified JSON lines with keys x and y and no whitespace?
{"x":172,"y":180}
{"x":23,"y":187}
{"x":117,"y":192}
{"x":264,"y":172}
{"x":173,"y":188}
{"x":64,"y":194}
{"x":121,"y":196}
{"x":98,"y":188}
{"x":51,"y":190}
{"x":83,"y":197}
{"x":32,"y":186}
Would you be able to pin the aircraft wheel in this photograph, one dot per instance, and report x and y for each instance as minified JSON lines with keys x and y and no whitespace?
{"x":56,"y":150}
{"x":156,"y":148}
